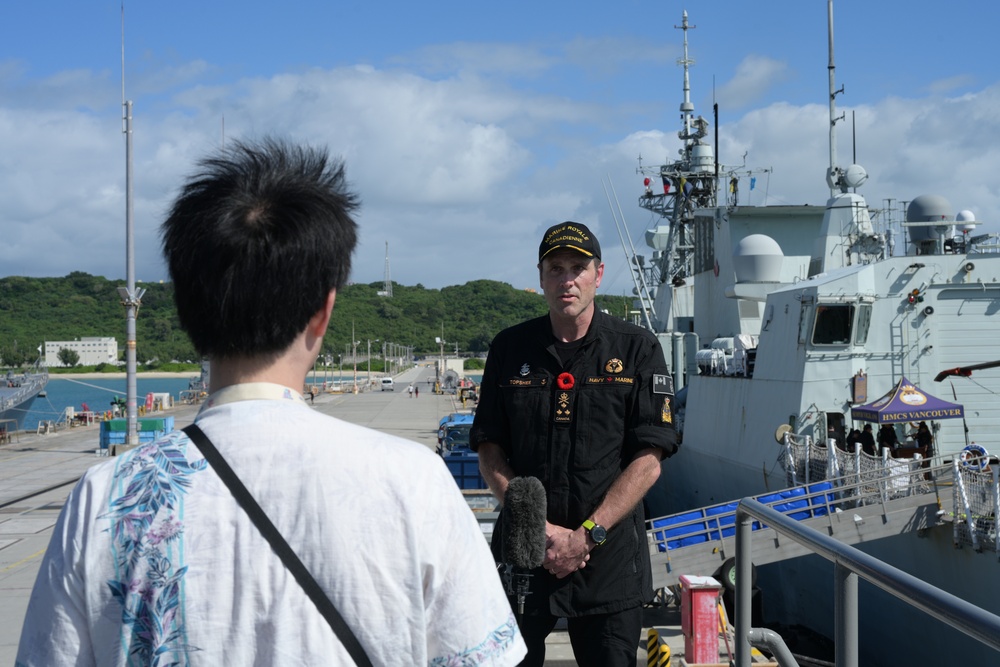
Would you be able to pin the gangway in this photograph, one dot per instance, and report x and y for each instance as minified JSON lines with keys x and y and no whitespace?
{"x":852,"y":509}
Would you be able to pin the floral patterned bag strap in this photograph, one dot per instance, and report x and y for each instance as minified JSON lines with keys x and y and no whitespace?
{"x":280,"y":546}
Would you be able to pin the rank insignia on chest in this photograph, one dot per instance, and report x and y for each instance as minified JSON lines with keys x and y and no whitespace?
{"x":614,"y":366}
{"x":525,"y":370}
{"x":563,"y":413}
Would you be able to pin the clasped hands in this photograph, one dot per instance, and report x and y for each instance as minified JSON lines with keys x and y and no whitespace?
{"x":566,"y":550}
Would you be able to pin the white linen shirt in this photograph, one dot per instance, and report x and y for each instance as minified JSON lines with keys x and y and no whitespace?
{"x":152,"y":562}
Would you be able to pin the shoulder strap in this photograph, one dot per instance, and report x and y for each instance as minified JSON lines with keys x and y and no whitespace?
{"x":280,"y":546}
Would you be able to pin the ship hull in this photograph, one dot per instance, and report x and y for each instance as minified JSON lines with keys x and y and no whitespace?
{"x":890,"y":632}
{"x":16,"y":400}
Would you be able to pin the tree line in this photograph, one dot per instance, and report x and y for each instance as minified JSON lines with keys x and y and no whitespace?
{"x":466,"y":317}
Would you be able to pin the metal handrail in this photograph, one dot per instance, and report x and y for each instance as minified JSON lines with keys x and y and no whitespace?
{"x":844,"y":492}
{"x":849,"y":563}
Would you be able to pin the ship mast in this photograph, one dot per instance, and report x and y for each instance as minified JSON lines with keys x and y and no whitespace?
{"x":833,"y":172}
{"x":687,"y":108}
{"x":689,"y":184}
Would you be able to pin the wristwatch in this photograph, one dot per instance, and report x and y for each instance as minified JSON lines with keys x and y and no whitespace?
{"x":596,"y":532}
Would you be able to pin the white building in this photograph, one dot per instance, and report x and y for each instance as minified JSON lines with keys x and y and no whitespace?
{"x":92,"y":351}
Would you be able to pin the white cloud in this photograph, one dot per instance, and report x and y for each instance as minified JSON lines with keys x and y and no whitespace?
{"x":478,"y":58}
{"x":950,"y":84}
{"x":460,"y":174}
{"x":754,"y":77}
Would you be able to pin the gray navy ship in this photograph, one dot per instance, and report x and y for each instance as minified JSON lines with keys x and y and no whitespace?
{"x":782,"y":323}
{"x":17,"y":392}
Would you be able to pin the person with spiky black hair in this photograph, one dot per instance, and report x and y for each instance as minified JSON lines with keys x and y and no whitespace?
{"x":154,"y":562}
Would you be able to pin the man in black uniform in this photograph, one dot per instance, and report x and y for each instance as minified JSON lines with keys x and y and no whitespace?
{"x":582,"y":401}
{"x":867,"y":440}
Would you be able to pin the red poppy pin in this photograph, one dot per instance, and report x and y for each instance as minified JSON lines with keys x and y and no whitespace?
{"x":565,"y":381}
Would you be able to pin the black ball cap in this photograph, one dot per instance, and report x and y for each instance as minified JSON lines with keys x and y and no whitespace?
{"x":570,"y":236}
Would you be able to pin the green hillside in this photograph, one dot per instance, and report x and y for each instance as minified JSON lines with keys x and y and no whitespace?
{"x":33,"y":310}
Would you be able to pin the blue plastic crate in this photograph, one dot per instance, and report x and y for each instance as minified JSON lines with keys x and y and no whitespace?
{"x":464,"y":469}
{"x":112,"y":434}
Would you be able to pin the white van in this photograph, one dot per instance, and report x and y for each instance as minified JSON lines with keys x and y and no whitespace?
{"x":388,"y":385}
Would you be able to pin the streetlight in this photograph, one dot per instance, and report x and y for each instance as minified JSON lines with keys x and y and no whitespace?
{"x":354,"y":357}
{"x":440,"y":341}
{"x":370,"y":361}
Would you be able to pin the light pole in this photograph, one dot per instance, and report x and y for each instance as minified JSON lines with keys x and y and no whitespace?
{"x":354,"y":357}
{"x":440,"y":369}
{"x":370,"y":361}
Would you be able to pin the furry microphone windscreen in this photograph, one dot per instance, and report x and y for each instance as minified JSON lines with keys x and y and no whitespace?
{"x":523,"y":523}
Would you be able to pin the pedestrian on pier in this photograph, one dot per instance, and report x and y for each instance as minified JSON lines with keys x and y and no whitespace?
{"x":154,"y":561}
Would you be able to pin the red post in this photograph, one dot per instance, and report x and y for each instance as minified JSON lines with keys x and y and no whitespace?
{"x":700,"y":618}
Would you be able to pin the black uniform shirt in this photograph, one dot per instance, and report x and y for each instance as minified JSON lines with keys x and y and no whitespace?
{"x":576,"y":427}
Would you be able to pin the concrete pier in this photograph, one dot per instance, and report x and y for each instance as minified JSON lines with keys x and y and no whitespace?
{"x":38,"y":471}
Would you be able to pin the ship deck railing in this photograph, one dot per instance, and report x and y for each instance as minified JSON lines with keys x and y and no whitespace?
{"x":975,"y":494}
{"x":902,"y":497}
{"x":849,"y":564}
{"x":24,"y":386}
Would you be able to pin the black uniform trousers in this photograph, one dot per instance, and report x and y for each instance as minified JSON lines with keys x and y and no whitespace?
{"x":599,"y":640}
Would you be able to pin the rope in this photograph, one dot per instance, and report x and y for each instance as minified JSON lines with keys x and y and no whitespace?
{"x":94,"y":386}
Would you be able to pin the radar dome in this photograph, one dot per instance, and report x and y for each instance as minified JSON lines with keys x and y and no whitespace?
{"x":855,"y":176}
{"x":966,"y":216}
{"x":757,"y":258}
{"x":927,"y":208}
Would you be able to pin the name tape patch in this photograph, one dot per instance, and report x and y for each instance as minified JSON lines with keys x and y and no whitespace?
{"x":608,"y":380}
{"x":527,"y":382}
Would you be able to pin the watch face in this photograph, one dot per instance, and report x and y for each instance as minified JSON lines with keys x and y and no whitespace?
{"x":598,"y":534}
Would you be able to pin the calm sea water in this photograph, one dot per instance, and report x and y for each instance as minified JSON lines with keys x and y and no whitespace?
{"x":97,"y":394}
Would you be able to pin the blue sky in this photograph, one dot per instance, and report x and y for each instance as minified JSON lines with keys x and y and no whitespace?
{"x":470,"y":127}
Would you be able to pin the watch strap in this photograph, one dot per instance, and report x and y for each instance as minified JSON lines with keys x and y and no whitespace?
{"x":591,"y":527}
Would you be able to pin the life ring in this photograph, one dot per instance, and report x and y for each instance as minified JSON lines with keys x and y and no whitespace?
{"x":974,"y":457}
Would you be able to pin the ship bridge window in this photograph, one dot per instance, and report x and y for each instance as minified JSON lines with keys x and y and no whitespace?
{"x":864,"y":321}
{"x":833,"y":324}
